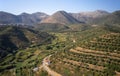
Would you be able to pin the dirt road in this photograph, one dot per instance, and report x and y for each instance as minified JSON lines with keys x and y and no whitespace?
{"x":46,"y":62}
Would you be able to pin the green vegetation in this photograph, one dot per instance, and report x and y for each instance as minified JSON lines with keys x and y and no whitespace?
{"x":23,"y":62}
{"x":51,"y":27}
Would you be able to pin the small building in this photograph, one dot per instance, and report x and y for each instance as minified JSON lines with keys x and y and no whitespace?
{"x":35,"y":69}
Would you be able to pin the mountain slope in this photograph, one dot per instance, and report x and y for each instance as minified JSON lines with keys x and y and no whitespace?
{"x":61,"y":17}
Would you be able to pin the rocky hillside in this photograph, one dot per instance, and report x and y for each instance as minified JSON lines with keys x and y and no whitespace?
{"x":61,"y":17}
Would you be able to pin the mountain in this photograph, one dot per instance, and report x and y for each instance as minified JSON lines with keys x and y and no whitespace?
{"x":6,"y":18}
{"x":32,"y":18}
{"x":24,"y":18}
{"x":61,"y":17}
{"x":89,"y":16}
{"x":14,"y":37}
{"x":111,"y":19}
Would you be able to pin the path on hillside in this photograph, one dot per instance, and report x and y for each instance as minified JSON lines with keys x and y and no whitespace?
{"x":46,"y":62}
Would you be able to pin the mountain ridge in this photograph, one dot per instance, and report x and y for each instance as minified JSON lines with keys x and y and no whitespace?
{"x":61,"y":17}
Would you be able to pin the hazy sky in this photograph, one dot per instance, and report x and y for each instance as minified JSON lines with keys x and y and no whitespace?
{"x":51,"y":6}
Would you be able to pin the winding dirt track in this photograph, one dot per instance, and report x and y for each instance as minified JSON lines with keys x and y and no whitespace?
{"x":45,"y":67}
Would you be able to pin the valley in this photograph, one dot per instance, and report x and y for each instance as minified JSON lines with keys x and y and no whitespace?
{"x":62,"y":45}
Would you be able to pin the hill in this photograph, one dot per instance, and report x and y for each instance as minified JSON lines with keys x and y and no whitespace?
{"x":51,"y":27}
{"x":13,"y":38}
{"x":61,"y":17}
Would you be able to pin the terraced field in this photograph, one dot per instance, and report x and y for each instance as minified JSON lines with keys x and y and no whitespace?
{"x":99,"y":57}
{"x":108,"y":42}
{"x":79,"y":63}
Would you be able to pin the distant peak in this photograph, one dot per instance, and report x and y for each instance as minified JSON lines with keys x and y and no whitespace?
{"x":101,"y":11}
{"x":4,"y":12}
{"x":62,"y":11}
{"x":39,"y":13}
{"x":24,"y":13}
